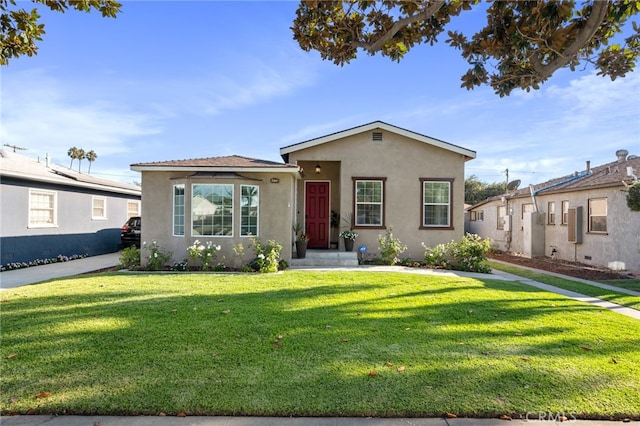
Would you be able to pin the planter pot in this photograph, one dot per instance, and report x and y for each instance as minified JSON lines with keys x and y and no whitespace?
{"x":301,"y":249}
{"x":348,"y":245}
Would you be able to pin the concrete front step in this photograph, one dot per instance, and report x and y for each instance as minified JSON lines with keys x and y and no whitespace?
{"x":326,"y":258}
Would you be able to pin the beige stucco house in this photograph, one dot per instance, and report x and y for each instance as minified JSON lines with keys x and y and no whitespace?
{"x":582,"y":217}
{"x":369,"y":178}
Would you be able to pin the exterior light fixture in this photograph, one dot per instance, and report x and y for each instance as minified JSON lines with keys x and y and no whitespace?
{"x":318,"y":169}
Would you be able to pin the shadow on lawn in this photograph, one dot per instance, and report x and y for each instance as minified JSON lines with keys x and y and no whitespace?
{"x":474,"y":347}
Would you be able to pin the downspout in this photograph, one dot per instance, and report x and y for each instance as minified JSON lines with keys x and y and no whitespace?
{"x":533,"y":198}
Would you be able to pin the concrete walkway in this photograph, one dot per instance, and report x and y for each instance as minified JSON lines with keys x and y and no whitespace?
{"x":36,"y":274}
{"x":580,"y":280}
{"x":572,"y":294}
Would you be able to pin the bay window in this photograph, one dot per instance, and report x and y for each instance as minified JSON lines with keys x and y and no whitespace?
{"x":249,"y":204}
{"x":178,"y":210}
{"x":212,"y":209}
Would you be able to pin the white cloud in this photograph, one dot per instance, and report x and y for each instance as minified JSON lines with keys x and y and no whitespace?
{"x":539,"y":135}
{"x":48,"y":116}
{"x":321,"y":129}
{"x":238,"y":83}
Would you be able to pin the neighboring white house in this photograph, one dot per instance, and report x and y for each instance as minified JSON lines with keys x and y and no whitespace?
{"x":49,"y":210}
{"x":581,"y":217}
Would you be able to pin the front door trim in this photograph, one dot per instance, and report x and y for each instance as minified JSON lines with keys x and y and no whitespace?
{"x":327,"y":223}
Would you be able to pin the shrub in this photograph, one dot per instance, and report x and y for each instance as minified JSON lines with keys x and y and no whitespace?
{"x":438,"y":256}
{"x":282,"y":265}
{"x":158,"y":257}
{"x":267,"y":256}
{"x":390,"y":248}
{"x":633,"y":198}
{"x":180,"y":266}
{"x":204,"y":254}
{"x":238,"y":253}
{"x":467,"y":255}
{"x":130,"y":258}
{"x":37,"y":262}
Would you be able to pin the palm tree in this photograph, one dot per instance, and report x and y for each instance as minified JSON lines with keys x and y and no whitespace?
{"x":73,"y":153}
{"x":91,"y":157}
{"x":81,"y":156}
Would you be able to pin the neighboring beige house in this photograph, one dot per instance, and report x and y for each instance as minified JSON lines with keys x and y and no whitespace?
{"x":373,"y":177}
{"x":582,"y":217}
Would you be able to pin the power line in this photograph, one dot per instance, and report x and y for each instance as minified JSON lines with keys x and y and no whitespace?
{"x":15,"y":147}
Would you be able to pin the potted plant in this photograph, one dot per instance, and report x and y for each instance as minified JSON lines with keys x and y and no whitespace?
{"x":349,"y":237}
{"x":302,"y":239}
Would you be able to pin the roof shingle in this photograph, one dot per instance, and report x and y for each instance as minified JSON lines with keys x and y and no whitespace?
{"x":231,"y":161}
{"x":607,"y":175}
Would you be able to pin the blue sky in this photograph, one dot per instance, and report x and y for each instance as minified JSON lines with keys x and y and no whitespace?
{"x":176,"y":80}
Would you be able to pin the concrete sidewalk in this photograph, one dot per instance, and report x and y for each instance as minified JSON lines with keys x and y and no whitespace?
{"x":633,"y":313}
{"x":283,"y":421}
{"x":36,"y":274}
{"x":580,"y":280}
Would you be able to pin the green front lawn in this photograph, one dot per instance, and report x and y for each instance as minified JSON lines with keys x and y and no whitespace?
{"x":312,"y":344}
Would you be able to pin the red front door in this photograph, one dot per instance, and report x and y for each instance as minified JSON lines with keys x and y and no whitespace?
{"x":317,"y":213}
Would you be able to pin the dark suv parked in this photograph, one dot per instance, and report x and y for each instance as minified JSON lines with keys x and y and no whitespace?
{"x":130,"y":232}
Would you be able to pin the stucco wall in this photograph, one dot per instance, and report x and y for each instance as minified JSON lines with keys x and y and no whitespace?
{"x":620,"y":244}
{"x":402,"y":161}
{"x":275,"y":213}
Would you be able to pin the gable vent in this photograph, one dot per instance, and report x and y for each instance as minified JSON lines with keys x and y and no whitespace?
{"x":376,"y":136}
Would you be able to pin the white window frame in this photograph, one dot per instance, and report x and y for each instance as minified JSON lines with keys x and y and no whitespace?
{"x":565,"y":212}
{"x":54,"y":210}
{"x":242,"y":208}
{"x":551,"y":213}
{"x":527,"y":208}
{"x":449,"y":186}
{"x":181,"y":213}
{"x":357,"y":203}
{"x":230,"y":234}
{"x":592,"y":215}
{"x":130,"y":212}
{"x":95,"y":216}
{"x":500,"y":222}
{"x":480,"y":215}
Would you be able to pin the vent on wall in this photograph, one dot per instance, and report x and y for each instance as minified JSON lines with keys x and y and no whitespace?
{"x":376,"y":136}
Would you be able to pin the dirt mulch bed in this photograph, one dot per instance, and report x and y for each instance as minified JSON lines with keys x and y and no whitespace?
{"x":573,"y":269}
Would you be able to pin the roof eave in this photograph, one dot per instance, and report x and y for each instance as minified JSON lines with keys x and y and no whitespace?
{"x":152,"y":168}
{"x":583,"y":188}
{"x":468,"y":154}
{"x":79,"y":184}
